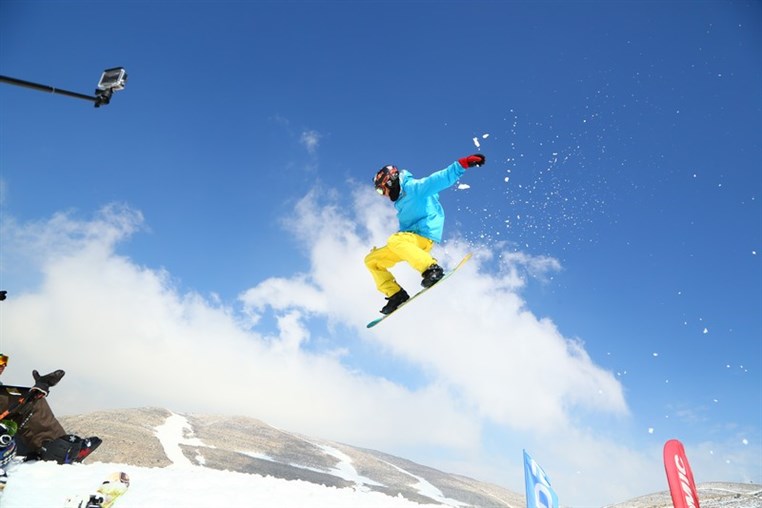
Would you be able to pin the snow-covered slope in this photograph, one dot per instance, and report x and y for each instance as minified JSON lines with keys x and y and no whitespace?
{"x":158,"y":438}
{"x":47,"y":485}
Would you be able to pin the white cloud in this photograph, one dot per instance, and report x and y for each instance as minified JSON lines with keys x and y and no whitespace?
{"x":128,"y":337}
{"x":282,"y":294}
{"x":311,"y":140}
{"x":475,"y":336}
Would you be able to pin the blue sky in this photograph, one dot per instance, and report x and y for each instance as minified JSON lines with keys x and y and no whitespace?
{"x":215,"y":216}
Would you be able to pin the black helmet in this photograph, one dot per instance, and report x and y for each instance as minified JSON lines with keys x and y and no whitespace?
{"x":387,"y":182}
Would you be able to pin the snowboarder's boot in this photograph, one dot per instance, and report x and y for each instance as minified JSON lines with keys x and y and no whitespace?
{"x":395,"y":301}
{"x":69,"y":448}
{"x":432,"y":275}
{"x":89,"y":444}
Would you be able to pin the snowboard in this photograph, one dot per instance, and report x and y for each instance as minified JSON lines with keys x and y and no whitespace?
{"x":108,"y":493}
{"x":14,"y":391}
{"x":419,"y":293}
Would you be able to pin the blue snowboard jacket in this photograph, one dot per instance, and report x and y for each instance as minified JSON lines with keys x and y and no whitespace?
{"x":418,"y":207}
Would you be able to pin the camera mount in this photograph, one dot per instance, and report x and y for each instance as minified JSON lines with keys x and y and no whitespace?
{"x":112,"y":80}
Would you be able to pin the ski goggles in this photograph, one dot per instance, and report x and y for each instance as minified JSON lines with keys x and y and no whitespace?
{"x":3,"y":360}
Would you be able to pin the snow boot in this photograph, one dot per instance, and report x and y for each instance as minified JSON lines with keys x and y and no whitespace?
{"x":395,"y":301}
{"x":89,"y":444}
{"x":432,"y":275}
{"x":68,"y":449}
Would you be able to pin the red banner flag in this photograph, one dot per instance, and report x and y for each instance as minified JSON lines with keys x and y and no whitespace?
{"x":679,"y":476}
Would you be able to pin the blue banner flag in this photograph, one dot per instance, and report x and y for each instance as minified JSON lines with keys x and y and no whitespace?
{"x":539,"y":492}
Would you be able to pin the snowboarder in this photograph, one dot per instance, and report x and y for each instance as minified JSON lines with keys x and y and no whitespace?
{"x":421,"y":222}
{"x":39,"y":433}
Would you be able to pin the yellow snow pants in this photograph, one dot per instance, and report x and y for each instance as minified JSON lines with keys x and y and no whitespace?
{"x":399,"y":247}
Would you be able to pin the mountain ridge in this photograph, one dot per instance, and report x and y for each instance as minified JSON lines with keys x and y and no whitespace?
{"x":248,"y":445}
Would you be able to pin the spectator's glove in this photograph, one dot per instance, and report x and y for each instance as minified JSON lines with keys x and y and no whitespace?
{"x":476,"y":159}
{"x":42,"y":384}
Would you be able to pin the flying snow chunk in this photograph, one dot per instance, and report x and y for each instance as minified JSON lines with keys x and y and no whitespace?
{"x":650,"y":430}
{"x":463,"y":186}
{"x":476,"y":142}
{"x":706,"y":330}
{"x":485,"y":136}
{"x":655,"y":354}
{"x":745,"y":441}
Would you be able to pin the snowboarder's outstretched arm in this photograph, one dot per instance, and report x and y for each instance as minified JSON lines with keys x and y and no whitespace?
{"x":444,"y":178}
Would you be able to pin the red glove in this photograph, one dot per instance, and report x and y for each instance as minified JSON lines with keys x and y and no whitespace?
{"x":476,"y":159}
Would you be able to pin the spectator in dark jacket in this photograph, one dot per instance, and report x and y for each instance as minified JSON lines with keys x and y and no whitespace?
{"x":38,"y":433}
